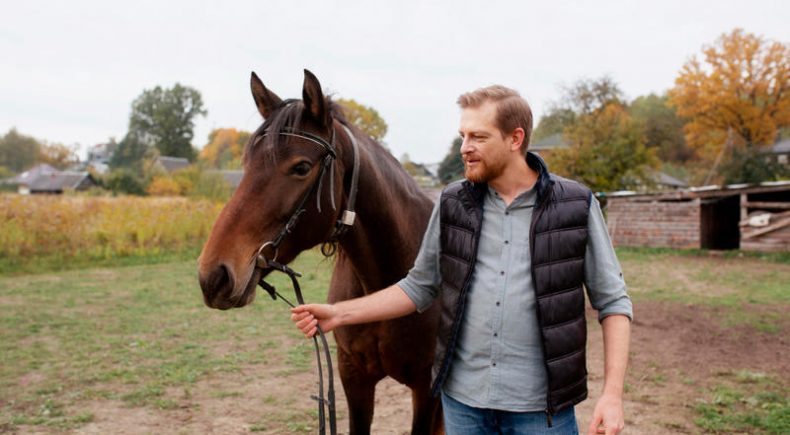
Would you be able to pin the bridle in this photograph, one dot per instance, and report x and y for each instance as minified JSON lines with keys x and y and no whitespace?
{"x":328,"y":248}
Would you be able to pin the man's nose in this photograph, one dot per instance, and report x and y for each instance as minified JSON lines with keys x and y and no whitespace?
{"x":466,"y":146}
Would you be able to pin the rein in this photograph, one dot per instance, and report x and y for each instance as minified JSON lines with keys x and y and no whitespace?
{"x":328,"y":248}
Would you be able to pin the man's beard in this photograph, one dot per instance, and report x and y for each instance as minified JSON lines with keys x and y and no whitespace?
{"x":484,"y":171}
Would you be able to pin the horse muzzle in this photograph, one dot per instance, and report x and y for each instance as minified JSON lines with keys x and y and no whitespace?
{"x":222,"y":291}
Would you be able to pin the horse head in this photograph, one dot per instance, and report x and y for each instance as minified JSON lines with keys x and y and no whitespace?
{"x":295,"y":163}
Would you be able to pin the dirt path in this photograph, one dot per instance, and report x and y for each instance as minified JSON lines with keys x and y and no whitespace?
{"x":677,"y":351}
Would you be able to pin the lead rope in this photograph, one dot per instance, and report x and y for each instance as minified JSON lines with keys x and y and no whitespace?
{"x":329,"y":402}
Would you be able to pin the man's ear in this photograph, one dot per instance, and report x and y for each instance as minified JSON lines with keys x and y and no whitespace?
{"x":518,"y":137}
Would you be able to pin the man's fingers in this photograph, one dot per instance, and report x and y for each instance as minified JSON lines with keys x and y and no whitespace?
{"x":299,"y":316}
{"x":593,"y":429}
{"x":307,"y":323}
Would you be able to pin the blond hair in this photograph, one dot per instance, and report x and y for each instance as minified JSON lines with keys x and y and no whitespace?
{"x":512,"y":111}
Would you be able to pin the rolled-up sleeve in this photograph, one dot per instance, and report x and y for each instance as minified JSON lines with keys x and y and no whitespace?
{"x":422,"y":283}
{"x":603,"y":275}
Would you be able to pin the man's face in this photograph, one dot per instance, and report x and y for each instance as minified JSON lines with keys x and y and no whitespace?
{"x":484,"y":150}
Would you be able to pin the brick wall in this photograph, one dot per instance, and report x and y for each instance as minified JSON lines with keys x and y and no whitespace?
{"x":655,"y":224}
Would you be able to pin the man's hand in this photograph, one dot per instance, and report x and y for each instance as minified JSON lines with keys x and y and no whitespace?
{"x":608,"y":416}
{"x":307,"y":317}
{"x":385,"y":304}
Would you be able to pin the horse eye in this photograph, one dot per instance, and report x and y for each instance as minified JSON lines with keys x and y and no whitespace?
{"x":301,"y":169}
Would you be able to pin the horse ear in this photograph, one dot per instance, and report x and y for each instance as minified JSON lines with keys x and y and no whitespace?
{"x":313,"y":98}
{"x":265,"y":99}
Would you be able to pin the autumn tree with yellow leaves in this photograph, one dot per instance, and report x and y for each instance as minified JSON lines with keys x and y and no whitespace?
{"x":365,"y":118}
{"x":225,"y":148}
{"x":736,"y":99}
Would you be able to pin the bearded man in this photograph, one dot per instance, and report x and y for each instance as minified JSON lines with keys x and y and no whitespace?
{"x":508,"y":253}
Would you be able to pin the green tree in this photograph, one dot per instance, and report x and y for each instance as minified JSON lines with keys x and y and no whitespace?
{"x":662,"y":126}
{"x":365,"y":118}
{"x":555,"y":122}
{"x":587,"y":96}
{"x":750,"y":165}
{"x":58,"y":155}
{"x":124,"y":180}
{"x":130,"y":153}
{"x":164,"y":119}
{"x":18,"y":152}
{"x":606,"y":146}
{"x":452,"y":166}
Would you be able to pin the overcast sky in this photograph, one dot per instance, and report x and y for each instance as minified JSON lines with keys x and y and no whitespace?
{"x":70,"y":70}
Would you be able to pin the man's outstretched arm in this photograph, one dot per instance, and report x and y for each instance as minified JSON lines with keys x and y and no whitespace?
{"x":608,"y":415}
{"x":385,"y":304}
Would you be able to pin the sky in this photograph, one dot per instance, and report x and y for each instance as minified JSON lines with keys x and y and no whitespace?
{"x":70,"y":70}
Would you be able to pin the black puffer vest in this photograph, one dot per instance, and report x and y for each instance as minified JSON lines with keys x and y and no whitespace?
{"x":557,"y":240}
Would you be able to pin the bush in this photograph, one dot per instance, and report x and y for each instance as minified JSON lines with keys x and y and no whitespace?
{"x":124,"y":180}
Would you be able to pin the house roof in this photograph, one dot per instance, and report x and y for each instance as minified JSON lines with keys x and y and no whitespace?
{"x":171,"y":164}
{"x":57,"y":181}
{"x":665,"y":179}
{"x":231,"y":176}
{"x":781,"y":147}
{"x":701,"y":192}
{"x":548,"y":143}
{"x":31,"y":174}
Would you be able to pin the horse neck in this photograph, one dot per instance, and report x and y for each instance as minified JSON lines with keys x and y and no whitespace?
{"x":392,"y":213}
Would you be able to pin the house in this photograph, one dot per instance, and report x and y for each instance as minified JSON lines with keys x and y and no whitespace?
{"x":232,"y":177}
{"x":753,"y":217}
{"x":548,"y":144}
{"x":57,"y":182}
{"x":31,"y":174}
{"x":780,"y":151}
{"x":171,"y":164}
{"x":99,"y":157}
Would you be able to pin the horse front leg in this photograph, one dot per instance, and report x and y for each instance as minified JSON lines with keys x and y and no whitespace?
{"x":427,"y":415}
{"x":360,"y":389}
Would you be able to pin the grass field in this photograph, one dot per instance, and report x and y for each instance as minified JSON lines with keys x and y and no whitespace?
{"x":105,"y":349}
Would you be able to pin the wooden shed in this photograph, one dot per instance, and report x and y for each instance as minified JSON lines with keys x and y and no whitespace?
{"x":749,"y":217}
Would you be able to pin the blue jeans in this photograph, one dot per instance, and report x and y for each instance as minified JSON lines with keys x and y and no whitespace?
{"x":461,"y":419}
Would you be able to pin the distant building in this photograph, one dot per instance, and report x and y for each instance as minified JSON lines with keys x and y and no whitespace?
{"x":754,"y":217}
{"x":56,"y":183}
{"x":231,"y":176}
{"x":31,"y":174}
{"x":548,"y":144}
{"x":99,"y":157}
{"x":171,"y":164}
{"x":781,"y":152}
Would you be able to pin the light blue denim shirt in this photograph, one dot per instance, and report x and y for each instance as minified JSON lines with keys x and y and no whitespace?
{"x":498,"y":361}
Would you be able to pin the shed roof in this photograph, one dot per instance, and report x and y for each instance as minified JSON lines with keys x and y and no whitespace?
{"x":701,"y":192}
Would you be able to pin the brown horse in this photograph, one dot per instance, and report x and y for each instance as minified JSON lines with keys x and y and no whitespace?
{"x":392,"y":213}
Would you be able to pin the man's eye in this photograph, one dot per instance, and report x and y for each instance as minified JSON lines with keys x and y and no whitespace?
{"x":301,"y":169}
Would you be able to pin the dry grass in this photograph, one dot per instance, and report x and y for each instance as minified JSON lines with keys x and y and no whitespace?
{"x":101,"y":226}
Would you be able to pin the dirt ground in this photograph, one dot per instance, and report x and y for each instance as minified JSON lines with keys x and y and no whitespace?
{"x":677,"y":352}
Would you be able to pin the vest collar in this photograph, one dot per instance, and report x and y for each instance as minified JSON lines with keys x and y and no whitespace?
{"x":542,"y":185}
{"x":544,"y":182}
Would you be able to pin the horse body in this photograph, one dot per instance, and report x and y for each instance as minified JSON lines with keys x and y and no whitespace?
{"x":376,"y":252}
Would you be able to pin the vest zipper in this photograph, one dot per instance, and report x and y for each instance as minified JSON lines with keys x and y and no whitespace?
{"x":548,"y":417}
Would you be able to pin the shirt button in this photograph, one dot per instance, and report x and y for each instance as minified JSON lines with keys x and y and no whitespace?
{"x":501,"y":272}
{"x":507,"y":213}
{"x":496,"y":334}
{"x":506,"y":242}
{"x":497,"y":303}
{"x":494,"y":364}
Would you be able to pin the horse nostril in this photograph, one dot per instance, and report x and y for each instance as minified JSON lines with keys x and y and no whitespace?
{"x":218,"y":281}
